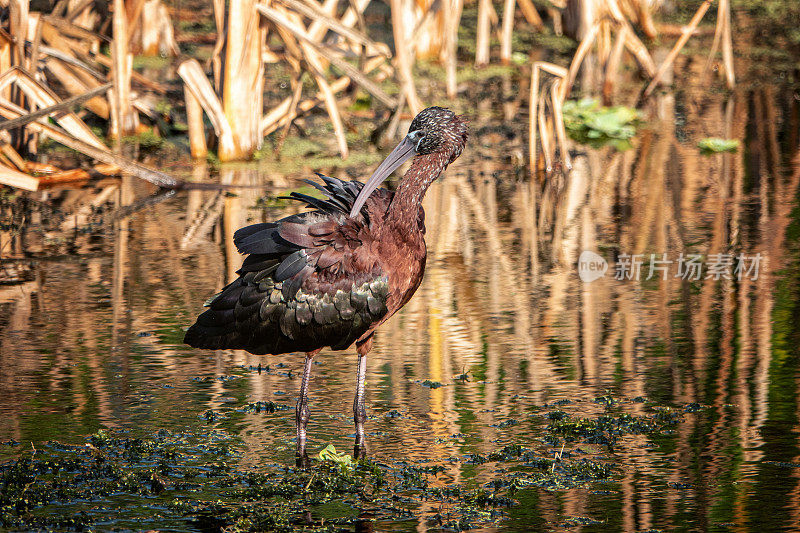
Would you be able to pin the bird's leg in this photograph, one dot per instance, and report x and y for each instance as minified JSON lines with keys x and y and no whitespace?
{"x":302,"y":414}
{"x":359,"y":411}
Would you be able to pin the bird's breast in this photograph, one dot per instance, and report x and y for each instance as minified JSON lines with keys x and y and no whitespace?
{"x":404,"y":264}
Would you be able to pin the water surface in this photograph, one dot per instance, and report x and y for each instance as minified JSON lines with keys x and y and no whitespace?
{"x":93,"y":339}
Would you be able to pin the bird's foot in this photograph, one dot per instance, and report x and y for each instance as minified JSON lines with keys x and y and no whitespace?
{"x":302,"y":460}
{"x":359,"y":451}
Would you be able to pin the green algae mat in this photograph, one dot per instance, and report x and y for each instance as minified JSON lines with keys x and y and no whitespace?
{"x":197,"y":482}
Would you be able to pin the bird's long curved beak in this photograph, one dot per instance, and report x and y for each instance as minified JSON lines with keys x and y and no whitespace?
{"x":401,"y":153}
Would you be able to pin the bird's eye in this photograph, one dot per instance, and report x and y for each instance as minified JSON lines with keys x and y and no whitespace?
{"x":416,"y":137}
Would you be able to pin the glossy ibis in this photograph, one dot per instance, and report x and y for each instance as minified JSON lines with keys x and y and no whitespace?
{"x":330,"y":276}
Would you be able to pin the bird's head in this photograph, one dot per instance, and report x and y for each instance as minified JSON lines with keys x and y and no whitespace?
{"x":438,"y":128}
{"x":433,"y":130}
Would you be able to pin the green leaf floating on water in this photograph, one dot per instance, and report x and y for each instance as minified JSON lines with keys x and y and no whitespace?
{"x":590,"y":123}
{"x":715,"y":145}
{"x":342,"y":459}
{"x":519,"y":58}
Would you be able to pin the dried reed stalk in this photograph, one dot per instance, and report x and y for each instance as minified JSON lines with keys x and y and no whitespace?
{"x":4,"y":160}
{"x":429,"y":31}
{"x":555,"y":70}
{"x":127,"y":119}
{"x":297,"y":92}
{"x":289,"y":28}
{"x":195,"y":80}
{"x":538,"y":118}
{"x":215,"y":61}
{"x":282,"y":113}
{"x":394,"y":122}
{"x":10,"y":154}
{"x":687,"y":33}
{"x":484,"y":30}
{"x":300,"y":34}
{"x":577,"y":59}
{"x":639,"y":51}
{"x":194,"y":120}
{"x":42,"y":97}
{"x":402,"y":57}
{"x":531,"y":15}
{"x":34,"y":30}
{"x":60,"y":8}
{"x":544,"y":134}
{"x":10,"y":111}
{"x":86,"y":40}
{"x":80,"y":15}
{"x":506,"y":31}
{"x":558,"y":23}
{"x":610,"y":72}
{"x":317,"y":30}
{"x":532,"y":111}
{"x":74,"y":86}
{"x":6,"y":42}
{"x":722,"y":33}
{"x":18,"y":27}
{"x":70,"y":51}
{"x":312,"y":11}
{"x":153,"y":33}
{"x":632,"y":42}
{"x":15,"y":178}
{"x":18,"y":17}
{"x":604,"y":41}
{"x":644,"y":18}
{"x":35,"y":21}
{"x":74,"y":176}
{"x":242,"y":80}
{"x":558,"y":120}
{"x":361,"y":24}
{"x":135,"y":76}
{"x":66,"y":105}
{"x":727,"y":44}
{"x":71,"y":60}
{"x":453,"y":10}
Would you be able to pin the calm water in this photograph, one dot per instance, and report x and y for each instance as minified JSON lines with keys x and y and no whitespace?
{"x":93,"y":339}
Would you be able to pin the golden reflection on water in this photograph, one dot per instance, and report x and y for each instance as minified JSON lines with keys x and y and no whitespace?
{"x":95,"y":339}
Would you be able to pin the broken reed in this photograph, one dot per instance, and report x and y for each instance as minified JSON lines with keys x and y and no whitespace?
{"x":611,"y":23}
{"x":240,"y":124}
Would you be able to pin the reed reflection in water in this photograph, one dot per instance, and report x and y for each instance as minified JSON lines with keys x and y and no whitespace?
{"x":502,"y":322}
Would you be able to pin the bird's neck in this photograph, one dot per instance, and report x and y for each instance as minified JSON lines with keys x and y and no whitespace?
{"x":404,"y":210}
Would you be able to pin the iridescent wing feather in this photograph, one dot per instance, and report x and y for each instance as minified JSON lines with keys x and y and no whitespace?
{"x":307,"y":281}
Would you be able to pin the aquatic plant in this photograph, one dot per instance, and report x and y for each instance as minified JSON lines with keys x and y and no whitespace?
{"x":173,"y":480}
{"x":606,"y":429}
{"x":712,"y":145}
{"x":590,"y":123}
{"x":342,"y":459}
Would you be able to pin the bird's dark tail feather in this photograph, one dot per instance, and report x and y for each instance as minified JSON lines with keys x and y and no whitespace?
{"x":211,"y":331}
{"x":197,"y":338}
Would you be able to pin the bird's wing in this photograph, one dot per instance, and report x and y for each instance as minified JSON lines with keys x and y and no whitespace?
{"x":309,"y":280}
